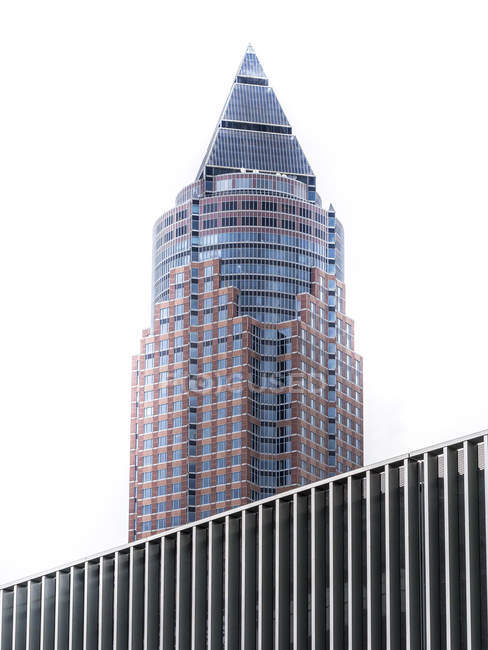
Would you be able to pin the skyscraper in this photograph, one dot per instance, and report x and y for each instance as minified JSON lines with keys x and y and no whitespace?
{"x":247,"y":382}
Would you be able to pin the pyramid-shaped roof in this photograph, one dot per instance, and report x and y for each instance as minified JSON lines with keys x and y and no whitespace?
{"x":250,"y":65}
{"x":253,"y":131}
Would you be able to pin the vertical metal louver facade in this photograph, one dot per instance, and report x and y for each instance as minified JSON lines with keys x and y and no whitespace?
{"x":390,"y":556}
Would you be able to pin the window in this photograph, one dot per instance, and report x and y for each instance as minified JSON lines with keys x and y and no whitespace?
{"x":176,"y":521}
{"x":146,"y":526}
{"x":206,"y":432}
{"x":205,"y":498}
{"x":236,"y":443}
{"x":221,"y":446}
{"x":206,"y":449}
{"x":235,"y":493}
{"x":221,"y":496}
{"x":146,"y":510}
{"x":220,"y":463}
{"x":146,"y":477}
{"x":161,"y":490}
{"x":220,"y":480}
{"x":146,"y":460}
{"x":237,"y":459}
{"x":146,"y":493}
{"x":205,"y":465}
{"x":205,"y":482}
{"x":237,"y":361}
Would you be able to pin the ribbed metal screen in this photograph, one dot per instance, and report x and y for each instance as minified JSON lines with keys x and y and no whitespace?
{"x":256,"y":104}
{"x":392,"y":556}
{"x":258,"y":150}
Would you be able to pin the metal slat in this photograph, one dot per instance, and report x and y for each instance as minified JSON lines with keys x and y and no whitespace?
{"x":373,"y":560}
{"x":265,"y":577}
{"x":354,"y":559}
{"x":412,"y":556}
{"x":300,"y":572}
{"x":20,"y":617}
{"x":183,"y":589}
{"x":392,"y":557}
{"x":7,"y":618}
{"x":215,"y":585}
{"x":90,"y":618}
{"x":431,"y":554}
{"x":248,"y":576}
{"x":136,"y":597}
{"x":451,"y":537}
{"x":152,"y":572}
{"x":484,"y":614}
{"x":199,"y":588}
{"x":61,"y":626}
{"x":282,"y":574}
{"x":33,"y":615}
{"x":336,"y":563}
{"x":121,"y":601}
{"x":232,"y":583}
{"x":48,"y":597}
{"x":168,"y":592}
{"x":472,"y":547}
{"x":76,"y":601}
{"x":318,"y":569}
{"x":106,"y":603}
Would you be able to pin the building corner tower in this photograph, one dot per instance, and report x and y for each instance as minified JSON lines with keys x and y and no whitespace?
{"x":247,"y":383}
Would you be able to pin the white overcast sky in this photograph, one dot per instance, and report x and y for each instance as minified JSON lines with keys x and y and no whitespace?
{"x":106,"y":110}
